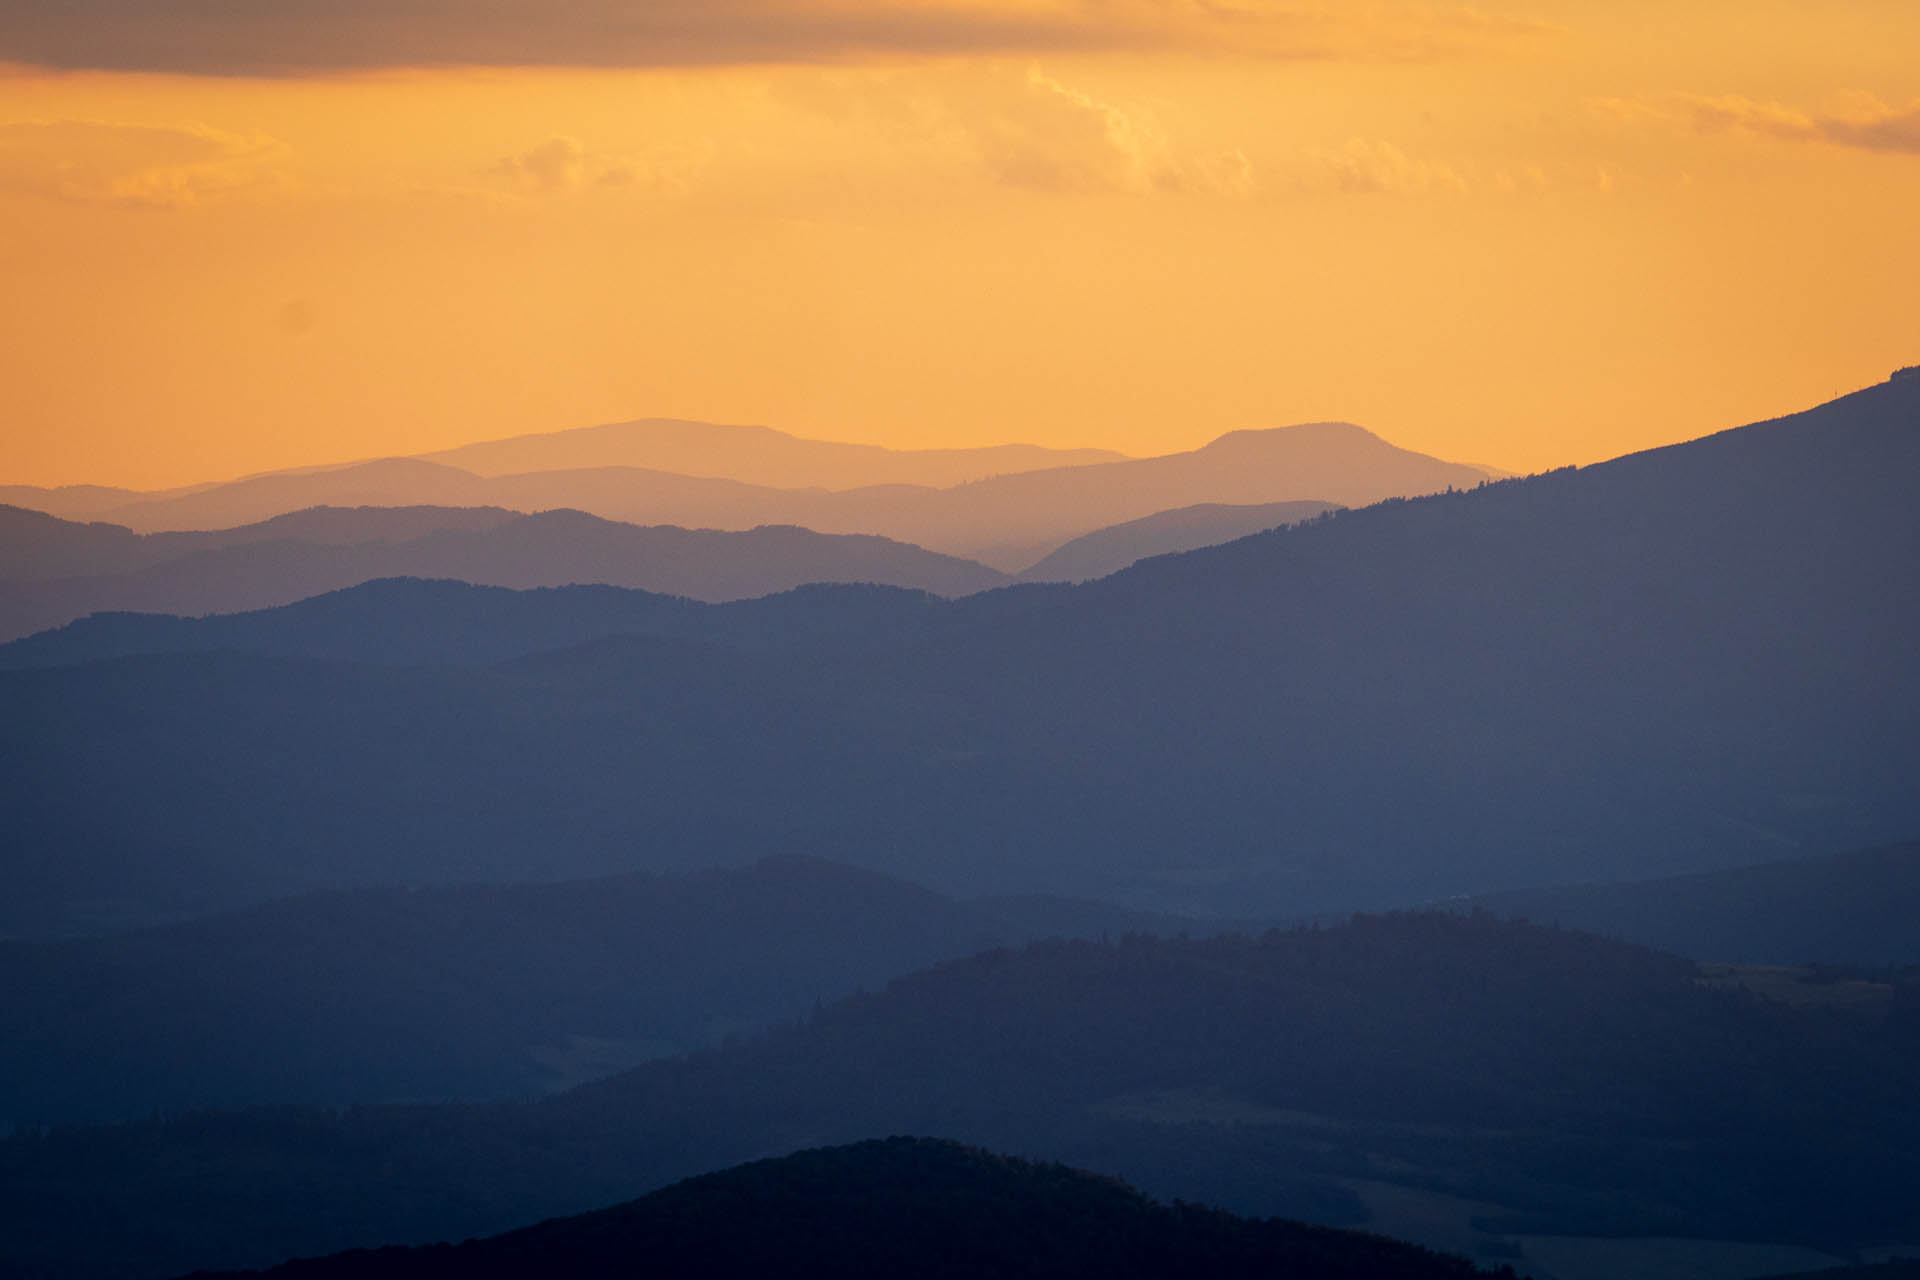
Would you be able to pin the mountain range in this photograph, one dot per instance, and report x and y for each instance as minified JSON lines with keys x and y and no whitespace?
{"x":753,"y":455}
{"x":1006,"y":520}
{"x":1448,"y":1079}
{"x":1855,"y":908}
{"x":470,"y":991}
{"x":1678,"y":661}
{"x":1109,"y":550}
{"x":750,"y":454}
{"x":311,"y":552}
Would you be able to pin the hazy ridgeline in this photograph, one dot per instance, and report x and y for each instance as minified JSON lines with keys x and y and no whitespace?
{"x":1109,"y":550}
{"x":746,"y":454}
{"x":1681,"y":660}
{"x":325,"y":549}
{"x":470,"y":991}
{"x":478,"y":992}
{"x":1006,"y":520}
{"x":1549,"y":1082}
{"x":1858,"y":908}
{"x":1668,"y":699}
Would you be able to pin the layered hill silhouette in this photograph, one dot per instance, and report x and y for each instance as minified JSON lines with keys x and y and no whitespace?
{"x":311,"y":552}
{"x":902,"y":1207}
{"x":1007,"y":521}
{"x":81,"y":501}
{"x":472,"y":991}
{"x":1109,"y":550}
{"x":1679,"y":661}
{"x":1855,"y":908}
{"x":1557,"y":1083}
{"x":36,"y":547}
{"x":752,"y":455}
{"x":439,"y":622}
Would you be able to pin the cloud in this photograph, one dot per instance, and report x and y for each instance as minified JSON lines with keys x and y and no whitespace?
{"x":1046,"y":136}
{"x":303,"y":37}
{"x":558,"y":164}
{"x":129,"y":165}
{"x":1369,"y":166}
{"x":1857,"y":120}
{"x":562,"y":165}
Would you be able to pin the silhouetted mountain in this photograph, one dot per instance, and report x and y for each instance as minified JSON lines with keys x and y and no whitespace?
{"x":752,"y":455}
{"x":1011,"y":520}
{"x":35,"y":547}
{"x":308,"y":553}
{"x":1678,"y":661}
{"x":410,"y":621}
{"x":902,"y":1207}
{"x":1007,"y":521}
{"x":53,"y":570}
{"x":467,"y":992}
{"x":397,"y":620}
{"x":1560,"y":1083}
{"x":1105,"y":551}
{"x":386,"y":482}
{"x":1852,"y":908}
{"x":71,"y":501}
{"x":337,"y":526}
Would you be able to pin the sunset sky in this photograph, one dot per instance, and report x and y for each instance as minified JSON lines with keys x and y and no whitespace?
{"x":245,"y":234}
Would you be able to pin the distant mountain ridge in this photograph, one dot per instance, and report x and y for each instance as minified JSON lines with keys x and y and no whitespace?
{"x":1563,"y":1084}
{"x":1109,"y":550}
{"x":441,"y":622}
{"x":80,"y":501}
{"x":308,"y":553}
{"x":471,"y":991}
{"x":1856,"y":908}
{"x":1679,"y":661}
{"x":752,"y":455}
{"x":1006,"y":520}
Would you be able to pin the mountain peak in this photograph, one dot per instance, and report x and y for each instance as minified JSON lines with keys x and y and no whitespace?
{"x":1296,"y":434}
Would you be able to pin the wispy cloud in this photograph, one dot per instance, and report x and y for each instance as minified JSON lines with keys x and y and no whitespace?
{"x":301,"y":37}
{"x":1857,"y":120}
{"x":563,"y":165}
{"x":1368,"y":166}
{"x":130,"y":165}
{"x":1048,"y":136}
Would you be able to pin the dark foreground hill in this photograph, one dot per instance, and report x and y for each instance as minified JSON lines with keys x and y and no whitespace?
{"x":899,"y":1207}
{"x":319,"y":550}
{"x":1679,"y":661}
{"x":1561,"y":1083}
{"x":467,"y":992}
{"x":1860,"y":908}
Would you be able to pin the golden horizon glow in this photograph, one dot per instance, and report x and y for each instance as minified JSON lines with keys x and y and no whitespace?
{"x":1540,"y":234}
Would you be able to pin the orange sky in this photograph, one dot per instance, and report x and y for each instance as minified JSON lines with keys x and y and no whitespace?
{"x":1524,"y":234}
